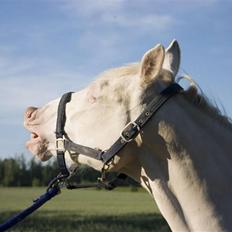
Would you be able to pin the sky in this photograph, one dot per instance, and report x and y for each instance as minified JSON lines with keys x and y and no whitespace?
{"x":48,"y":47}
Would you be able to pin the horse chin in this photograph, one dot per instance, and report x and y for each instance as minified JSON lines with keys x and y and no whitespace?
{"x":39,"y":148}
{"x":44,"y":156}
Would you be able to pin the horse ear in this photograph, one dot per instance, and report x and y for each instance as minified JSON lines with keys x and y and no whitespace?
{"x":151,"y":63}
{"x":172,"y":58}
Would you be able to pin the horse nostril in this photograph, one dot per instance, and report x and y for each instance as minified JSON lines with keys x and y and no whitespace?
{"x":29,"y":111}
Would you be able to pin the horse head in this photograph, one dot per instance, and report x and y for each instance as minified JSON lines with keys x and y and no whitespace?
{"x":98,"y":113}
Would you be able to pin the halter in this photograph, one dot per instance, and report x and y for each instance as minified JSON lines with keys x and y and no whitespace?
{"x":128,"y":134}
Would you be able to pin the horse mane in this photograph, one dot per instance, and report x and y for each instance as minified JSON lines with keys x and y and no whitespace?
{"x":206,"y":104}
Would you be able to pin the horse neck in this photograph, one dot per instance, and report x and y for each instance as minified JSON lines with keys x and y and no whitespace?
{"x":187,"y":167}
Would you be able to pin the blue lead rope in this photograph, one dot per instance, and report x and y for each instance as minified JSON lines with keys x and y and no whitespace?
{"x":52,"y":192}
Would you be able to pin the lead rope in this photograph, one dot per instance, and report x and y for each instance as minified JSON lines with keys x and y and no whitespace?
{"x":52,"y":192}
{"x":54,"y":188}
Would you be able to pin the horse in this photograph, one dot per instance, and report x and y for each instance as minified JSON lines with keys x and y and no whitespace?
{"x":182,"y":156}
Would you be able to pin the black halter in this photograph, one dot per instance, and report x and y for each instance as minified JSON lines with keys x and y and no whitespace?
{"x":129,"y":133}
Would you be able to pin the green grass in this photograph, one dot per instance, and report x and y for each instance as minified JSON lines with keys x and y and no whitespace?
{"x":84,"y":210}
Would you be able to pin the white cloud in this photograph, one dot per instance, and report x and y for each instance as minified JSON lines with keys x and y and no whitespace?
{"x":22,"y":91}
{"x":11,"y":66}
{"x":88,"y":8}
{"x":146,"y":14}
{"x":197,"y":3}
{"x":23,"y":83}
{"x":104,"y":13}
{"x":151,"y":22}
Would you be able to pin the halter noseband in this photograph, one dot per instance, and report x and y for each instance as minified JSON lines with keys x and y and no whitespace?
{"x":129,"y":133}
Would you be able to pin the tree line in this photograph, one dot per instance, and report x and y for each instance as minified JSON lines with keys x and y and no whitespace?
{"x":21,"y":172}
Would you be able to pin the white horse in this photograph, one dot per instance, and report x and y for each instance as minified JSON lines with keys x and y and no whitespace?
{"x":182,"y":156}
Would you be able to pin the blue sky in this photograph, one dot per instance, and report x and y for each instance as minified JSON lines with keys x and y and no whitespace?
{"x":48,"y":47}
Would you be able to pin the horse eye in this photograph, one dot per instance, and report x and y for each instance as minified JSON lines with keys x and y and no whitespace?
{"x":92,"y":99}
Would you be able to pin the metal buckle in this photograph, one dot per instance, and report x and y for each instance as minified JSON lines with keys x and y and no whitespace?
{"x":135,"y":126}
{"x":60,"y":144}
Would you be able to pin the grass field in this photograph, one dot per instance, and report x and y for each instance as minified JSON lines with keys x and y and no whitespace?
{"x":84,"y":211}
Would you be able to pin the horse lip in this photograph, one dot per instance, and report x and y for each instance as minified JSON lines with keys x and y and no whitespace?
{"x":33,"y":139}
{"x":32,"y":142}
{"x":30,"y":126}
{"x":34,"y":135}
{"x":39,"y":147}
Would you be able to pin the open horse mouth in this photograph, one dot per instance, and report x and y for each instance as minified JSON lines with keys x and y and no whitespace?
{"x":35,"y":139}
{"x":38,"y":146}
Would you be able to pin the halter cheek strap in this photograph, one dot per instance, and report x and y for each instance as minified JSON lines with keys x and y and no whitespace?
{"x":60,"y":133}
{"x":129,"y":133}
